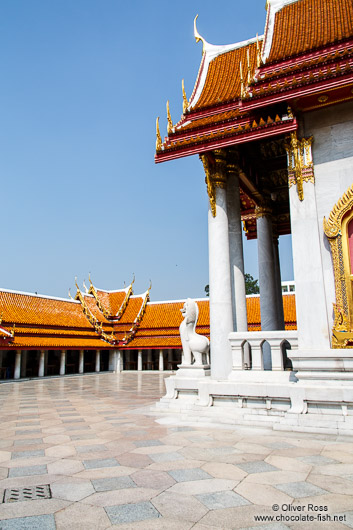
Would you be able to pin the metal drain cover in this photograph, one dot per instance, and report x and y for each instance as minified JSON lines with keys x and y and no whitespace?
{"x":32,"y":493}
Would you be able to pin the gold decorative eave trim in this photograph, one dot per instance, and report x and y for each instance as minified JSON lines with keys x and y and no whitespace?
{"x":132,"y":331}
{"x":92,"y":290}
{"x":123,"y":306}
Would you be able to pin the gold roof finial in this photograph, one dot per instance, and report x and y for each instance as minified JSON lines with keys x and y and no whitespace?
{"x":70,"y":294}
{"x":158,"y":134}
{"x":169,"y":118}
{"x":198,"y":36}
{"x":133,"y":280}
{"x":185,"y":99}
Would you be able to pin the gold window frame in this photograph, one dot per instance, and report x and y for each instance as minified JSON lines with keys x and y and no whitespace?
{"x":336,"y":230}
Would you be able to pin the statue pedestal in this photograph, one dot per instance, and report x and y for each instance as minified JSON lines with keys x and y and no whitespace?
{"x":192,"y":370}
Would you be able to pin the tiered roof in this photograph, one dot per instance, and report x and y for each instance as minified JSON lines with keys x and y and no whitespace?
{"x":251,"y":91}
{"x":31,"y":321}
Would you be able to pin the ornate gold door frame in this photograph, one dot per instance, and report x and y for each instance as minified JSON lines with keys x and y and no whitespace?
{"x":336,"y":230}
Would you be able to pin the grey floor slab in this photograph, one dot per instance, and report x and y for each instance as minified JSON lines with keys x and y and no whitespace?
{"x":185,"y":475}
{"x":27,"y":471}
{"x":259,"y":466}
{"x":131,"y":513}
{"x":27,"y":454}
{"x":113,"y":483}
{"x":100,"y":462}
{"x":222,"y":499}
{"x":38,"y":522}
{"x":299,"y":490}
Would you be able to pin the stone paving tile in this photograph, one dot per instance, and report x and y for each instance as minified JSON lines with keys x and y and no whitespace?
{"x":91,"y":448}
{"x":27,"y":471}
{"x":100,"y":462}
{"x":113,"y":483}
{"x":224,"y":499}
{"x":185,"y":475}
{"x":257,"y":467}
{"x":166,"y":457}
{"x":72,"y":491}
{"x":147,"y":443}
{"x":130,"y":513}
{"x":27,"y":454}
{"x":317,"y":460}
{"x":28,"y":441}
{"x":78,"y":516}
{"x":40,"y":522}
{"x":147,"y":478}
{"x":299,"y":490}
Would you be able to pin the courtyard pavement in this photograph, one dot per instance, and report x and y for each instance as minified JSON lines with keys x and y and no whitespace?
{"x":89,"y":444}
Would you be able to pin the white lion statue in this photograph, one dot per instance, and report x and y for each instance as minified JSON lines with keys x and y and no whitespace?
{"x":195,"y":346}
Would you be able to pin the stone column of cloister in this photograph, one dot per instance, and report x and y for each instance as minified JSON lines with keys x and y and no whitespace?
{"x":17,"y":370}
{"x":139,"y":360}
{"x":236,"y":256}
{"x":81,"y":361}
{"x":62,"y":362}
{"x":41,"y":363}
{"x":221,"y":317}
{"x":112,"y":360}
{"x":98,"y":361}
{"x":120,"y":361}
{"x":161,"y":361}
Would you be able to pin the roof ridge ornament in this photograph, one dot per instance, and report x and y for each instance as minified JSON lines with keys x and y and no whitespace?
{"x":158,"y":136}
{"x":185,"y":99}
{"x":198,"y":37}
{"x":169,"y":118}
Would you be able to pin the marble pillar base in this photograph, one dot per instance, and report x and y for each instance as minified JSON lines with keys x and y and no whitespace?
{"x":187,"y":370}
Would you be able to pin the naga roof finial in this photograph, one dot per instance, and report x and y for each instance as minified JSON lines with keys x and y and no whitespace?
{"x":185,"y":99}
{"x":198,"y":36}
{"x":169,"y":118}
{"x":158,"y":135}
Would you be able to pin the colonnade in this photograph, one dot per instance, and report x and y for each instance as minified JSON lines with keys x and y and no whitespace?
{"x":40,"y":363}
{"x":228,"y":310}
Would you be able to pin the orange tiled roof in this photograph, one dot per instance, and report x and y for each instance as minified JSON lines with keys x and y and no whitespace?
{"x":31,"y":309}
{"x":46,"y":323}
{"x":309,"y":24}
{"x":223,"y":76}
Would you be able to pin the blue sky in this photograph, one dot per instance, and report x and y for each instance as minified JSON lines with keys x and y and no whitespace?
{"x":82,"y":82}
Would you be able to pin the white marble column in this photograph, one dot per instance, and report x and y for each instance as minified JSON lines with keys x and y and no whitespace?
{"x":24,"y":363}
{"x":81,"y":361}
{"x":17,"y":371}
{"x":139,"y":360}
{"x":279,"y":297}
{"x":98,"y":361}
{"x":62,"y":362}
{"x":41,"y":363}
{"x":120,"y":362}
{"x":112,"y":360}
{"x":221,"y":317}
{"x":161,"y":361}
{"x":240,"y":318}
{"x":312,"y":319}
{"x":267,"y":280}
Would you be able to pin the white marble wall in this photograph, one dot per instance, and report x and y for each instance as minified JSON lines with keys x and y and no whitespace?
{"x":332,"y":129}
